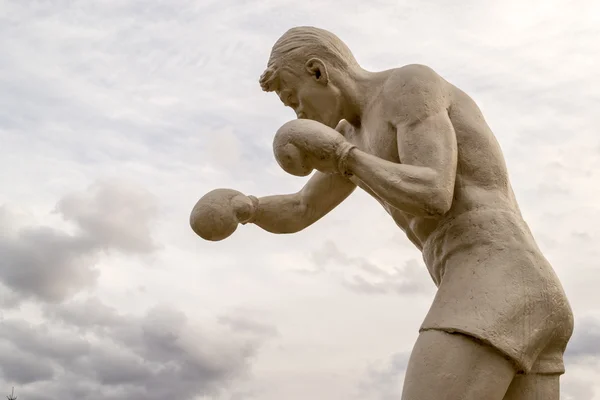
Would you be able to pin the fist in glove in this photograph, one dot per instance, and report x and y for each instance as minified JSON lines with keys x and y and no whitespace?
{"x":303,"y":145}
{"x":217,"y":214}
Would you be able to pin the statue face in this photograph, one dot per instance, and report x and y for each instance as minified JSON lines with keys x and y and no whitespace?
{"x":309,"y":97}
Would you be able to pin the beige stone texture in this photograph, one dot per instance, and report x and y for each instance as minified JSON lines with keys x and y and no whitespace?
{"x":500,"y":321}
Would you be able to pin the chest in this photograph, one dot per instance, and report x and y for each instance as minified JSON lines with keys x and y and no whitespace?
{"x":376,"y":137}
{"x":379,"y":138}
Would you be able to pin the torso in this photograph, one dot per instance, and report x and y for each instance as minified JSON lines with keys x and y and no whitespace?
{"x":481,"y":179}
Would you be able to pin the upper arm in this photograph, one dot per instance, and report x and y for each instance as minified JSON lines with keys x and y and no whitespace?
{"x":322,"y":193}
{"x":426,"y":138}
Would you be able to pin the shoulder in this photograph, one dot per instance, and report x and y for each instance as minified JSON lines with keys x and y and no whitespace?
{"x":413,"y":76}
{"x":414,"y":92}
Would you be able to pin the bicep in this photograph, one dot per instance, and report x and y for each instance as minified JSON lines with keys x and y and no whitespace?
{"x":430,"y":143}
{"x":323,"y":192}
{"x":417,"y":101}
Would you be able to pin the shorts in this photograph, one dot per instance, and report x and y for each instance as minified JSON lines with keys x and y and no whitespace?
{"x":495,"y":285}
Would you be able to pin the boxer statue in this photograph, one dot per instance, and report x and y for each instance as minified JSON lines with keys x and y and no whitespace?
{"x":500,"y":321}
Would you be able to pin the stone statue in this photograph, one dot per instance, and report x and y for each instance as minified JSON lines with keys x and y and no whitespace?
{"x":500,"y":321}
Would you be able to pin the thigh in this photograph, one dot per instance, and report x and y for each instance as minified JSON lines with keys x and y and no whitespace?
{"x":534,"y":387}
{"x":448,"y":366}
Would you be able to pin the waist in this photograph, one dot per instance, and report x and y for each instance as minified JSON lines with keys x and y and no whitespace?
{"x":491,"y":228}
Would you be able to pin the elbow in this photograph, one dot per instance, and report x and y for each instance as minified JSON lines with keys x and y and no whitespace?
{"x":298,"y":220}
{"x":289,"y":229}
{"x":283,"y":227}
{"x":299,"y":223}
{"x":438,"y":210}
{"x":439,"y":203}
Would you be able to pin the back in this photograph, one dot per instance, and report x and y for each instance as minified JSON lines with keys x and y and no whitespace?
{"x":482,"y":181}
{"x":482,"y":176}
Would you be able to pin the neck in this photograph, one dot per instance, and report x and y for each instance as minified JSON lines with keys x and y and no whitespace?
{"x":358,"y":85}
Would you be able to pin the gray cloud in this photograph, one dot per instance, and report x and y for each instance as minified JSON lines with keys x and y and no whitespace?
{"x":23,"y":369}
{"x":91,"y":314}
{"x":584,"y":346}
{"x":43,"y":341}
{"x":47,"y":264}
{"x":52,"y":264}
{"x":76,"y":354}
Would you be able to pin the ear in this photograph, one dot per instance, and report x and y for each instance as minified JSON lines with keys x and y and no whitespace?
{"x":316,"y":68}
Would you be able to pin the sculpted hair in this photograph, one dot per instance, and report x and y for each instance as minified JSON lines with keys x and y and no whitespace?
{"x":298,"y":45}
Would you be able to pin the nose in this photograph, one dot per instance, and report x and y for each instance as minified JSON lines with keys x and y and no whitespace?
{"x":300,"y":114}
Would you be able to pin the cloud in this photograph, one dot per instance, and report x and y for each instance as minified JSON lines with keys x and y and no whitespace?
{"x":165,"y":94}
{"x":239,"y":321}
{"x":584,"y":346}
{"x":224,"y":149}
{"x":43,"y":341}
{"x":384,"y":379}
{"x":113,"y":215}
{"x":577,"y":389}
{"x":23,"y":369}
{"x":47,"y":264}
{"x":363,"y":276}
{"x":52,"y":264}
{"x":90,"y":350}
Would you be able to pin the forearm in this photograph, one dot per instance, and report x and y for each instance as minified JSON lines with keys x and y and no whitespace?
{"x":280,"y":213}
{"x":291,"y":213}
{"x":408,"y":188}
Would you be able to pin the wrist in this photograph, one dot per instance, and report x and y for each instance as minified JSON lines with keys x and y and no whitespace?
{"x":254,"y":210}
{"x":344,"y":155}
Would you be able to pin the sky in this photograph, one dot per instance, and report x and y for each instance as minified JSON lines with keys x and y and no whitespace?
{"x":118,"y":115}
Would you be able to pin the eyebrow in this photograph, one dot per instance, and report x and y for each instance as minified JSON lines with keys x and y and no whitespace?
{"x":282,"y":83}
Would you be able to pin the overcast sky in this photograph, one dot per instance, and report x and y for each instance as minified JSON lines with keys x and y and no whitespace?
{"x":117,"y":115}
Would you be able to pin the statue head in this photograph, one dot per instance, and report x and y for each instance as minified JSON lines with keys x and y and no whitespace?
{"x":308,"y":69}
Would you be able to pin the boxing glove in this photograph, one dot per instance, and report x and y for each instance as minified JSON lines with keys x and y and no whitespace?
{"x":303,"y":145}
{"x":219,"y":212}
